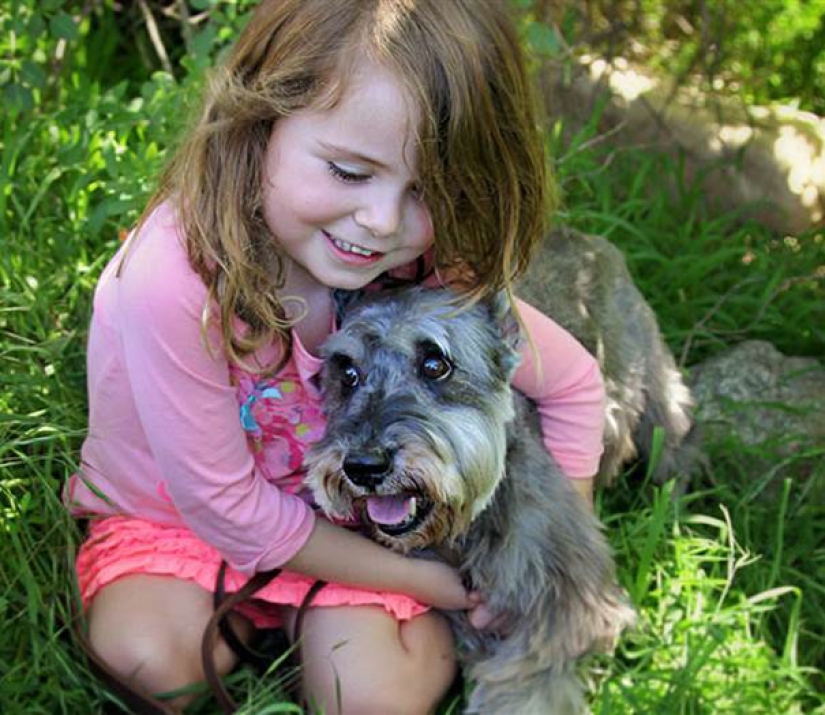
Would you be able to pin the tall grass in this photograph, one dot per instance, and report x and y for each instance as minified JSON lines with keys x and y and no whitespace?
{"x":728,"y":583}
{"x":749,"y":540}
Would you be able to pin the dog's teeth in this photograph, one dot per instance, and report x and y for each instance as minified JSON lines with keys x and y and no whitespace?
{"x":413,"y":507}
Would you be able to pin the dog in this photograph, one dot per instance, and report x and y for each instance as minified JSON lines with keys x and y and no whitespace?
{"x":582,"y":282}
{"x":429,"y":447}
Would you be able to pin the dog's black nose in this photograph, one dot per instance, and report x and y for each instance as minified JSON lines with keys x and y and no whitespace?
{"x":367,"y":469}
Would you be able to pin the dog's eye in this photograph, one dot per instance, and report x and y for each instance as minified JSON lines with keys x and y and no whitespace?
{"x":435,"y":367}
{"x":345,"y":370}
{"x":350,"y":377}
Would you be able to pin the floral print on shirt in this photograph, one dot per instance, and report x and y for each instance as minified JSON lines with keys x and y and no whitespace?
{"x":281,"y":421}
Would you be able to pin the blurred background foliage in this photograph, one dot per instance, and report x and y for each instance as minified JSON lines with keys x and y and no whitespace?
{"x":766,"y":51}
{"x":94,"y":94}
{"x":763,"y":51}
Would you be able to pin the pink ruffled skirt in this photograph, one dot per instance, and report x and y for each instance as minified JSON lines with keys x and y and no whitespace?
{"x":120,"y":546}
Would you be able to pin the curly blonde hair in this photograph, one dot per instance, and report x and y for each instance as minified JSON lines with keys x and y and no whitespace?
{"x":483,"y":170}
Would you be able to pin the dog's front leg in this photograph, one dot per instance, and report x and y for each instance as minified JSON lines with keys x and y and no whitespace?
{"x":538,"y":556}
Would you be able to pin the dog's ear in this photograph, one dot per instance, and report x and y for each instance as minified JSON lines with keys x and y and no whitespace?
{"x":504,"y":318}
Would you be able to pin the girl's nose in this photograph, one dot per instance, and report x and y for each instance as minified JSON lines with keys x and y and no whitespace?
{"x":381,"y":214}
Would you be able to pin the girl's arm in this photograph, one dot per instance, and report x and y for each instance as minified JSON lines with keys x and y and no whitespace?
{"x":333,"y":553}
{"x":187,"y":409}
{"x":565,"y":382}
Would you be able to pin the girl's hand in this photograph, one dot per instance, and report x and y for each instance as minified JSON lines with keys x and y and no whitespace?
{"x":484,"y":619}
{"x":439,"y":585}
{"x":445,"y":585}
{"x":584,"y":488}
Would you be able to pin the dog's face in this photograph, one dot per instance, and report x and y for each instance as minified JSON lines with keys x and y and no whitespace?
{"x":417,"y":397}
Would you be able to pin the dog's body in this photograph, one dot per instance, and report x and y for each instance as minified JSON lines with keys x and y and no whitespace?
{"x":582,"y":282}
{"x":427,"y":444}
{"x":539,"y":556}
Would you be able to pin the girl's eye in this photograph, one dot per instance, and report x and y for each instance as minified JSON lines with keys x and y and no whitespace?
{"x":348,"y":177}
{"x":435,"y":367}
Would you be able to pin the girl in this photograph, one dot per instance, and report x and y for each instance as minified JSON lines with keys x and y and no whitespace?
{"x":344,"y":144}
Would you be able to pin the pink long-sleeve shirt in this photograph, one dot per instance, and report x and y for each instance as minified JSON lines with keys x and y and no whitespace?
{"x":174,"y":433}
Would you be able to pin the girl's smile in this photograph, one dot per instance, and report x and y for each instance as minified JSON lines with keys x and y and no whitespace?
{"x":350,"y":253}
{"x":343,"y":204}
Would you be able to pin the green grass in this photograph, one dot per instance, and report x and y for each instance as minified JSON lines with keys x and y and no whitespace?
{"x":728,"y":579}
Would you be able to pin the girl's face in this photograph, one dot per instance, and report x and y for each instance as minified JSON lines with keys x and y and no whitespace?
{"x":340,"y":190}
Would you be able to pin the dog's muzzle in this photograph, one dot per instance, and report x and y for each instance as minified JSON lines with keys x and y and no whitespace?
{"x":367,"y":469}
{"x":392,"y":512}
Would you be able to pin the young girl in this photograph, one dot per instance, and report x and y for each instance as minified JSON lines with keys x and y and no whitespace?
{"x":344,"y":144}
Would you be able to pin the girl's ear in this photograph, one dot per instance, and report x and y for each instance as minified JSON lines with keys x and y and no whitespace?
{"x":505,"y":320}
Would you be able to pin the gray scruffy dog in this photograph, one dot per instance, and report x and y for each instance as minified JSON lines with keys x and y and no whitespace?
{"x":428,"y":445}
{"x":582,"y":282}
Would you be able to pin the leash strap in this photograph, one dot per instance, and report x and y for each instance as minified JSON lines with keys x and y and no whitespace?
{"x":214,"y":628}
{"x":241,"y":649}
{"x":219,"y":624}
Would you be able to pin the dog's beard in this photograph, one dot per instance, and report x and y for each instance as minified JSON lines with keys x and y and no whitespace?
{"x":413,"y":507}
{"x":439,"y":482}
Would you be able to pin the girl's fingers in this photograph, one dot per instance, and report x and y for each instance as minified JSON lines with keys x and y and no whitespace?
{"x":484,"y":619}
{"x":481,"y":617}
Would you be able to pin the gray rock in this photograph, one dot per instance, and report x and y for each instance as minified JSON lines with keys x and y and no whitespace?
{"x":768,"y":160}
{"x":755,"y":393}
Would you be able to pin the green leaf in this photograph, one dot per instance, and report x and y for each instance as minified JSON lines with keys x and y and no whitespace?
{"x":543,"y":39}
{"x":32,"y":74}
{"x":37,"y":25}
{"x":63,"y":26}
{"x":18,"y":97}
{"x":203,"y":41}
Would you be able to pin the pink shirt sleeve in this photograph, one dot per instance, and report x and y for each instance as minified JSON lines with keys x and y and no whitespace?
{"x":189,"y":412}
{"x":566,"y":385}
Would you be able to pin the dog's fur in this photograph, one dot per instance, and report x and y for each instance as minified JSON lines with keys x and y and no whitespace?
{"x":582,"y":282}
{"x":419,"y":404}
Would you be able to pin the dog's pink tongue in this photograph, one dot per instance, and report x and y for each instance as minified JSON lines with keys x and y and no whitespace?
{"x":389,"y":510}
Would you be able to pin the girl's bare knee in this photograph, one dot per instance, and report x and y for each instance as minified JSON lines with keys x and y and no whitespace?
{"x":149,"y":630}
{"x":381,"y":668}
{"x":155,"y":666}
{"x":430,"y":658}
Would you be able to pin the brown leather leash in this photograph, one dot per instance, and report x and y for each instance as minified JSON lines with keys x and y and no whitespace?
{"x":219,"y":624}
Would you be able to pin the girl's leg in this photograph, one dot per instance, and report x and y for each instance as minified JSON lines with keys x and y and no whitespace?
{"x":149,"y":629}
{"x":378,"y":665}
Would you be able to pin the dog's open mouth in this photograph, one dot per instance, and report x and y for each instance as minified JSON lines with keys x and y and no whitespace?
{"x":397,"y":514}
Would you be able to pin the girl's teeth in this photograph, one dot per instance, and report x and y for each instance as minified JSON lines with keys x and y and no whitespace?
{"x":349,"y":248}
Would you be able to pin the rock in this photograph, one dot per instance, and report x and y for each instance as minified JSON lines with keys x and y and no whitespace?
{"x":768,"y":159}
{"x":768,"y":404}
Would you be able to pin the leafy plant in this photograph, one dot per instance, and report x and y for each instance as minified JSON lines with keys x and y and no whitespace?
{"x":773,"y":52}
